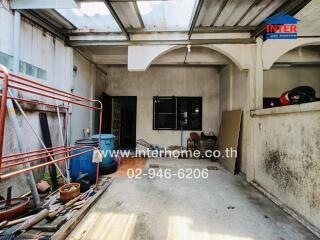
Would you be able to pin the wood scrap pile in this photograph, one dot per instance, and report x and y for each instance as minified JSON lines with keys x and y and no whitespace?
{"x":54,"y":215}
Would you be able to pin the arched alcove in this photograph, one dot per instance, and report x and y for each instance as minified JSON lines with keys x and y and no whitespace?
{"x":273,"y":50}
{"x":297,"y":67}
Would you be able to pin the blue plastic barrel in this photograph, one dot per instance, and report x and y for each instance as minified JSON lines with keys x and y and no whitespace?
{"x":83,"y":164}
{"x":107,"y":146}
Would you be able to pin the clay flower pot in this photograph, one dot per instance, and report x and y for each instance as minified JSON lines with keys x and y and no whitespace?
{"x":69,"y":191}
{"x":43,"y":186}
{"x":17,"y":207}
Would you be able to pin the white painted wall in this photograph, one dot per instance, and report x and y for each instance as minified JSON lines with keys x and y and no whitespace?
{"x":167,"y":81}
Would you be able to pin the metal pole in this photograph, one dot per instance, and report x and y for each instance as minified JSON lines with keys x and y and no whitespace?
{"x":100,"y":130}
{"x":29,"y":175}
{"x":3,"y":108}
{"x":37,"y":136}
{"x":11,"y":111}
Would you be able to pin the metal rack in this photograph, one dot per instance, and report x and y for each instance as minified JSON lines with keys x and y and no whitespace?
{"x":12,"y":82}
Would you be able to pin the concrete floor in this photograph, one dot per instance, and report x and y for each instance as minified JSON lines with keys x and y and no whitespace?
{"x":222,"y":207}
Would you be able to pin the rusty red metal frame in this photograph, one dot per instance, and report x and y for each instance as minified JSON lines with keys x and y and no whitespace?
{"x":10,"y":162}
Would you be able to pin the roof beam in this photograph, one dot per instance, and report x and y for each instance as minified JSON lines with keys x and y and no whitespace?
{"x":159,"y":38}
{"x":291,"y":7}
{"x":43,"y":4}
{"x":138,"y":14}
{"x":195,"y":17}
{"x":248,"y":10}
{"x":79,"y":43}
{"x":220,"y":11}
{"x":116,"y":17}
{"x":224,"y":29}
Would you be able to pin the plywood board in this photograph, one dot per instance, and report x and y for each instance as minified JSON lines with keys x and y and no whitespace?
{"x":229,"y":132}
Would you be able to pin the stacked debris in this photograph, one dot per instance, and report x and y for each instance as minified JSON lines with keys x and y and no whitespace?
{"x":59,"y":209}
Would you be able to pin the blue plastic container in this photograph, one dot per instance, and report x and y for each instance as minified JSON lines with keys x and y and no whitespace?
{"x":83,"y":164}
{"x":107,"y":146}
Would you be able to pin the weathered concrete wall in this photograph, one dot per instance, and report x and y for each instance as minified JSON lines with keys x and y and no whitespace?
{"x":286,"y":154}
{"x":233,"y":93}
{"x":6,"y":36}
{"x":278,"y":80}
{"x":31,"y":143}
{"x":91,"y":83}
{"x":82,"y":86}
{"x":41,"y":49}
{"x":167,"y":81}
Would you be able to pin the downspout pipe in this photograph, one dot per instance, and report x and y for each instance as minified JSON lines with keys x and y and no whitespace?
{"x":11,"y":111}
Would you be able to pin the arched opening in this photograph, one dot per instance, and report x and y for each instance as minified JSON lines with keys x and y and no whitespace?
{"x":214,"y":48}
{"x":213,"y":76}
{"x":298,"y":67}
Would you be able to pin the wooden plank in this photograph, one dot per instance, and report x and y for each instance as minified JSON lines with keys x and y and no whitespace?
{"x":67,"y":228}
{"x":229,"y":132}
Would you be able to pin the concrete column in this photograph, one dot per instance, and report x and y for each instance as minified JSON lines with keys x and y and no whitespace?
{"x":259,"y":76}
{"x":254,"y":101}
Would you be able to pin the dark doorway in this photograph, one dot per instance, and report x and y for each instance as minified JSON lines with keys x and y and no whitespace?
{"x":120,"y":114}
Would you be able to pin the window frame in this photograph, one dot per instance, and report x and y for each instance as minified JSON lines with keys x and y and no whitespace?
{"x":177,"y":108}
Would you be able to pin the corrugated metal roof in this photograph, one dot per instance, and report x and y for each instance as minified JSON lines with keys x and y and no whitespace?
{"x":192,"y":16}
{"x":219,"y":13}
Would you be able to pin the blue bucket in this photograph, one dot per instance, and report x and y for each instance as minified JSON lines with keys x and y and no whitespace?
{"x":83,"y":164}
{"x":107,"y":146}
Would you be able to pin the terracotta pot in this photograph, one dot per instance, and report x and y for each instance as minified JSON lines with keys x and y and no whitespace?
{"x":19,"y":207}
{"x":43,"y":186}
{"x":69,"y":191}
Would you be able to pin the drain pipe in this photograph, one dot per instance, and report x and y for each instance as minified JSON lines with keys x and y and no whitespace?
{"x":11,"y":111}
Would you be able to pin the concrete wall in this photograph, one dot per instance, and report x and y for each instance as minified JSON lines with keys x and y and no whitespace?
{"x":41,"y":49}
{"x":167,"y":81}
{"x":83,"y":81}
{"x":233,"y":93}
{"x":287,"y":154}
{"x":89,"y":82}
{"x":278,"y":80}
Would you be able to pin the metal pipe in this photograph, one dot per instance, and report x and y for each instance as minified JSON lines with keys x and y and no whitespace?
{"x":63,"y":139}
{"x":49,"y":96}
{"x":48,"y":87}
{"x":11,"y":174}
{"x":3,"y":109}
{"x":46,"y":90}
{"x":100,"y":130}
{"x":39,"y":158}
{"x":36,"y":134}
{"x":67,"y":142}
{"x":29,"y":175}
{"x":33,"y":102}
{"x":31,"y":152}
{"x":44,"y":152}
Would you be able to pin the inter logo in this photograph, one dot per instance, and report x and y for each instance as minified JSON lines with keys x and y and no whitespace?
{"x":281,"y":26}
